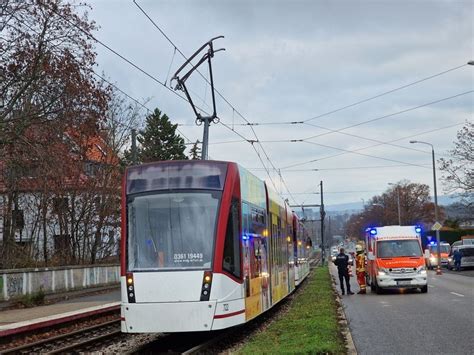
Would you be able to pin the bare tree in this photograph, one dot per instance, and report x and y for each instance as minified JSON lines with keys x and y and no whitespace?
{"x":382,"y":210}
{"x":459,"y":169}
{"x":47,"y":90}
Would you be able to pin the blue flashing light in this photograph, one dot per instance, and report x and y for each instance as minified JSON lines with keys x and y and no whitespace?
{"x":432,"y":243}
{"x":373,"y":231}
{"x":418,"y":229}
{"x":245,"y":237}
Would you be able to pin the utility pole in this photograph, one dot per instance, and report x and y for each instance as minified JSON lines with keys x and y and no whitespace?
{"x":134,"y":146}
{"x":438,"y":268}
{"x":180,"y":85}
{"x":323,"y":214}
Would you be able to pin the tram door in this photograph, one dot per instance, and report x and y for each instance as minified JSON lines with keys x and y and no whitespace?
{"x":291,"y":258}
{"x":255,"y":252}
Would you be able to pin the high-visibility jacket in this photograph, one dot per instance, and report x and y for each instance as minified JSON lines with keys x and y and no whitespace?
{"x":360,"y":263}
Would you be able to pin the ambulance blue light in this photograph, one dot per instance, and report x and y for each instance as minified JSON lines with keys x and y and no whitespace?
{"x":373,"y":231}
{"x":418,"y":229}
{"x":245,"y":237}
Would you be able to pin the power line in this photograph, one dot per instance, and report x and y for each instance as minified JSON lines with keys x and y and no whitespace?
{"x":355,"y":103}
{"x":392,"y":114}
{"x":223,"y":98}
{"x":372,"y":146}
{"x":345,"y":168}
{"x":117,"y":54}
{"x":386,"y":93}
{"x":364,"y":122}
{"x":334,"y":192}
{"x":362,"y":154}
{"x":136,"y":101}
{"x":369,"y":139}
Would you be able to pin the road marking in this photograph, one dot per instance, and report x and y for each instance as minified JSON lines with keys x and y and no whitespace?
{"x":457,"y":294}
{"x":431,"y":286}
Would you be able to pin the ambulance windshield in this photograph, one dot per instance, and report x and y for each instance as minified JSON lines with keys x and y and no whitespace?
{"x":444,"y":248}
{"x":398,"y":248}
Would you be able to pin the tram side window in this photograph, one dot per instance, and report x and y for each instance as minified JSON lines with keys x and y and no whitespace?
{"x":231,"y":262}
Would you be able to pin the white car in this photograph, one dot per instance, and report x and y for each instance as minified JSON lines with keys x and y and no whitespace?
{"x":467,"y":252}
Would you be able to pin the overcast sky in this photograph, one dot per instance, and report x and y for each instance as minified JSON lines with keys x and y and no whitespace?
{"x":290,"y":61}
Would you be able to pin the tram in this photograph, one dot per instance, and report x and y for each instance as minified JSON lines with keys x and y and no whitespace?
{"x":205,"y":246}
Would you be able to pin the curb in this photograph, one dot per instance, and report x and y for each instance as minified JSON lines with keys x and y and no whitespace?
{"x":346,"y":332}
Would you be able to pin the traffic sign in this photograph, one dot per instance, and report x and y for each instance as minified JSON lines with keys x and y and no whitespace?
{"x":436,"y":227}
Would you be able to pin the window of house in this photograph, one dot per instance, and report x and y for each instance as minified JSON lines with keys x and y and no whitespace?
{"x":60,"y":204}
{"x":18,"y":219}
{"x":61,"y":243}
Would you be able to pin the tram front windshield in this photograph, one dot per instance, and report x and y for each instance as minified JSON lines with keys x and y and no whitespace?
{"x":172,"y":230}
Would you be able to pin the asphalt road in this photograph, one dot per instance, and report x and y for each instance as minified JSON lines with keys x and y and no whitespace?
{"x":438,"y":322}
{"x":464,"y":272}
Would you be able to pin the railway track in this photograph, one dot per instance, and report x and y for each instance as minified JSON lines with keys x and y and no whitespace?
{"x":66,"y":334}
{"x":75,"y":341}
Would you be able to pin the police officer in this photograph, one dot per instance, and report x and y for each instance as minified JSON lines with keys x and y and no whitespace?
{"x":457,"y":256}
{"x":342,"y":263}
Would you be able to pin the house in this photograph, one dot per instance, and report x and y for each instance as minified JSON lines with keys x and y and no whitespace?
{"x":60,"y":202}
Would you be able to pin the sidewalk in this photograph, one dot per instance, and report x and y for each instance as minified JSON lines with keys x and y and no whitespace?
{"x":17,"y":320}
{"x":61,"y":296}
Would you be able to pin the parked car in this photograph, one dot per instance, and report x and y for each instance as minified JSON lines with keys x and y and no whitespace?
{"x":467,"y":252}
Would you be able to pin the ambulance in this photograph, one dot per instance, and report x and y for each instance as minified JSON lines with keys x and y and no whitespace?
{"x":395,"y":258}
{"x":432,"y":261}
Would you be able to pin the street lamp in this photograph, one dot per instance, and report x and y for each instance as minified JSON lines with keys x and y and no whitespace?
{"x":438,"y":268}
{"x":398,"y":202}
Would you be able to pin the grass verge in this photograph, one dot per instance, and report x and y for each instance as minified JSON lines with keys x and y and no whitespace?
{"x":310,"y":326}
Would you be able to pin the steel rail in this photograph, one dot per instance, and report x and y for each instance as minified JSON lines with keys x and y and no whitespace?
{"x":43,"y":342}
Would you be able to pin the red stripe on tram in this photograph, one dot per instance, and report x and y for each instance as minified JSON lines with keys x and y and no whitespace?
{"x":218,"y":316}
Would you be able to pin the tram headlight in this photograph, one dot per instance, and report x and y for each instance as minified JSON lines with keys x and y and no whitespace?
{"x":206,"y":286}
{"x":130,"y":287}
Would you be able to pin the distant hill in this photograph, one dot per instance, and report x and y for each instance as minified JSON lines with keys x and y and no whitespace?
{"x":354,"y":207}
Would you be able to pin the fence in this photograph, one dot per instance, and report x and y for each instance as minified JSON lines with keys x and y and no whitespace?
{"x":19,"y":282}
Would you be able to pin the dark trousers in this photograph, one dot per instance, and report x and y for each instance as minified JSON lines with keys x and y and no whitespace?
{"x":457,"y":265}
{"x":344,"y":275}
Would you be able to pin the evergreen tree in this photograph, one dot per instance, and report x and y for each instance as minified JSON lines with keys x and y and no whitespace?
{"x":195,"y":152}
{"x":159,"y":140}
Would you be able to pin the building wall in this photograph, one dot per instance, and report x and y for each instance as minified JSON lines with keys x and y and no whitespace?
{"x":33,"y":233}
{"x":20,"y":282}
